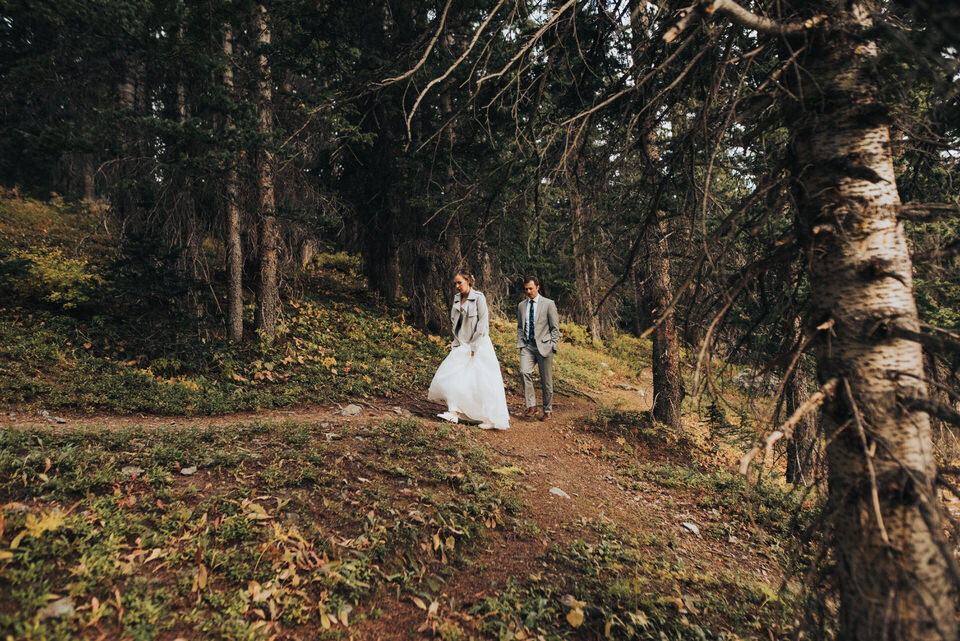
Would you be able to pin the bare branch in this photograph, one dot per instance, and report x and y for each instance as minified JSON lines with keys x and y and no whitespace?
{"x":463,"y":56}
{"x":786,"y":429}
{"x":927,"y":212}
{"x":869,"y":450}
{"x":741,"y":16}
{"x":530,"y":42}
{"x":944,"y":341}
{"x":426,"y":54}
{"x":932,"y":408}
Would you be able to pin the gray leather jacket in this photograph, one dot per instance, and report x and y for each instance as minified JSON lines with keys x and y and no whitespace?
{"x":474,"y":321}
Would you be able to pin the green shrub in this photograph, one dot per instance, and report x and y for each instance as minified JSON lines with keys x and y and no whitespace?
{"x":575,"y":334}
{"x":46,"y":274}
{"x":340,"y":261}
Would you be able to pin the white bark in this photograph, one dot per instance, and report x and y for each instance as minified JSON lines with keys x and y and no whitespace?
{"x":893,"y":578}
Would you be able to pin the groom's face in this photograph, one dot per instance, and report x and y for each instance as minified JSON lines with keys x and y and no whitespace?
{"x":532,"y":289}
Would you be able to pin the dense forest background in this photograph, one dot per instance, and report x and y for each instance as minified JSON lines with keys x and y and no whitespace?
{"x":771,"y":184}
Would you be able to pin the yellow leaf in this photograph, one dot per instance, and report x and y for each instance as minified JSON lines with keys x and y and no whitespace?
{"x":436,"y":541}
{"x":419,"y":603}
{"x":575,"y":617}
{"x":5,"y":555}
{"x":202,"y":577}
{"x":451,"y":542}
{"x":16,"y":540}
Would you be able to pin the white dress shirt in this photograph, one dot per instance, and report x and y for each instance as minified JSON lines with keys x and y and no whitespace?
{"x":526,"y":315}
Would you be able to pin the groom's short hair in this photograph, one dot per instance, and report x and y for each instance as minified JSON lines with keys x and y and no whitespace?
{"x":536,"y":281}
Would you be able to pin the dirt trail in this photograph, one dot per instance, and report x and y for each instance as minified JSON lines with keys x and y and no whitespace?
{"x":552,"y":454}
{"x":561,"y":454}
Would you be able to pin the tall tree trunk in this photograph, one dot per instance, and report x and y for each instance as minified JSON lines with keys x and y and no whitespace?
{"x":234,"y":242}
{"x":584,"y":268}
{"x":268,"y":294}
{"x":668,"y":389}
{"x":893,"y":577}
{"x":88,"y":169}
{"x":804,"y":450}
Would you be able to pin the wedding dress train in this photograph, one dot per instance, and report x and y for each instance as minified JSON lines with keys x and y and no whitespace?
{"x":472,"y":385}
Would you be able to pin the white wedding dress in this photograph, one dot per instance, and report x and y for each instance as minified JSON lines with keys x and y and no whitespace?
{"x":472,"y":385}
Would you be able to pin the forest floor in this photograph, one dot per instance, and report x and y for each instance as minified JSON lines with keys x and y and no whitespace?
{"x":159,"y":482}
{"x":641,"y":533}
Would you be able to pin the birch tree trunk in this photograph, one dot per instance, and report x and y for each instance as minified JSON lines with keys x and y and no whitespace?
{"x":234,"y":243}
{"x":268,"y":295}
{"x":893,"y":579}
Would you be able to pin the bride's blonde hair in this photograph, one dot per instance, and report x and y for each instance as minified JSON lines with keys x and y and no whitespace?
{"x":468,"y":277}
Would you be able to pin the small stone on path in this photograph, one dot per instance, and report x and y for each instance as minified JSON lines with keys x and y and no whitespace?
{"x":351,"y":410}
{"x":692,"y":527}
{"x":189,"y":471}
{"x":57,"y":609}
{"x":405,"y":413}
{"x":557,"y":491}
{"x":131,"y":470}
{"x":332,"y":436}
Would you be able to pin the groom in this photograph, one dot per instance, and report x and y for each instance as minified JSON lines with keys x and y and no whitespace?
{"x":538,"y":334}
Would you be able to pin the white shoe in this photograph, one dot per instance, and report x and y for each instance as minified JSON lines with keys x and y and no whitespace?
{"x":486,"y":426}
{"x":449,"y":416}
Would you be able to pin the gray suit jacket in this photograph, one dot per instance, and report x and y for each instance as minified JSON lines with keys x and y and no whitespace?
{"x":546,"y":325}
{"x":474,"y":320}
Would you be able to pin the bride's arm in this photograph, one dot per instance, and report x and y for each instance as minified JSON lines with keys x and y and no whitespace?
{"x":483,"y":323}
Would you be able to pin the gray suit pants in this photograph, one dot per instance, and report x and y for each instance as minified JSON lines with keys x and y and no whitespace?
{"x":530,"y":356}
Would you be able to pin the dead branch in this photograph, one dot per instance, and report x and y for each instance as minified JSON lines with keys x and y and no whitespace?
{"x":446,"y":74}
{"x":944,"y":342}
{"x":529,"y":45}
{"x":743,"y":17}
{"x":869,"y":450}
{"x":426,"y":54}
{"x":786,"y":429}
{"x":927,"y":212}
{"x":822,"y":327}
{"x":933,"y":408}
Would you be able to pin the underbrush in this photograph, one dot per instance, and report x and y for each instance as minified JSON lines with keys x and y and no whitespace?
{"x":324,"y":351}
{"x":85,"y":329}
{"x":616,"y":585}
{"x":241,"y":532}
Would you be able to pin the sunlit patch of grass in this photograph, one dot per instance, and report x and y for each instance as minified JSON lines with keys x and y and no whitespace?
{"x":277,"y":528}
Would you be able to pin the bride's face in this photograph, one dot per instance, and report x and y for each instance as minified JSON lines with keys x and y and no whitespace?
{"x":461,"y":285}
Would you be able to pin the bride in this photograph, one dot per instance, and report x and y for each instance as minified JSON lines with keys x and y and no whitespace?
{"x":469,"y":378}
